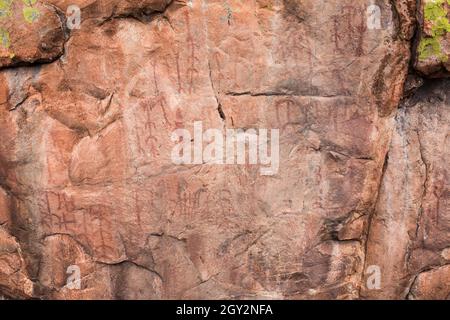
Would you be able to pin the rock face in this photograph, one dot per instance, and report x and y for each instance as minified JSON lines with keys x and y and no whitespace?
{"x":409,"y":230}
{"x":357,"y":207}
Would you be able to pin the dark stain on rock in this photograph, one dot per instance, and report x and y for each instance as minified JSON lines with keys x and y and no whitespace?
{"x":292,"y":8}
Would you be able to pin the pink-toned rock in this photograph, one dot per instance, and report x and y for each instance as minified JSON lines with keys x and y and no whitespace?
{"x":86,"y":154}
{"x":432,"y":285}
{"x":409,"y":229}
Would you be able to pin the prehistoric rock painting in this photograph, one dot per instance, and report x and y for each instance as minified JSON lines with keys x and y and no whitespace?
{"x":92,"y":108}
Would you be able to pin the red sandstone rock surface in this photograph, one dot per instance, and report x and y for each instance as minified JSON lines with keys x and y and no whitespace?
{"x":87,"y":179}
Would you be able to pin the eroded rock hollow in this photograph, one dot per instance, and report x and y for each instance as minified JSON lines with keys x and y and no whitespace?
{"x":92,"y":92}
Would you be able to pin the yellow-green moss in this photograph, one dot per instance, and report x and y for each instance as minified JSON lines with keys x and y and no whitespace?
{"x":5,"y":8}
{"x":31,"y":14}
{"x":435,"y":13}
{"x":4,"y":38}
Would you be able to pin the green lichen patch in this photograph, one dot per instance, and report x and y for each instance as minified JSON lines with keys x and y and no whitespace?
{"x":5,"y":8}
{"x":431,"y":47}
{"x":31,"y":14}
{"x":435,"y":13}
{"x":434,"y":10}
{"x":4,"y":38}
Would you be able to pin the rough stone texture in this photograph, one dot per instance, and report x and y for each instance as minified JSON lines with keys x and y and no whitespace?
{"x":86,"y":175}
{"x":13,"y":276}
{"x":410,"y":227}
